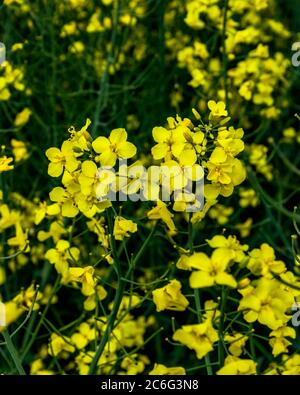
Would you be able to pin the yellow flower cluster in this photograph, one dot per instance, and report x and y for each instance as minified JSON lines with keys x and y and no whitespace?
{"x":123,"y":258}
{"x":10,"y":78}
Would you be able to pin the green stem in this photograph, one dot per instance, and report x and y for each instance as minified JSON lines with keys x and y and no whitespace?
{"x":225,"y":60}
{"x":28,"y":343}
{"x":110,"y":326}
{"x":117,"y":301}
{"x":191,"y":235}
{"x":197,"y":295}
{"x":221,"y":326}
{"x":13,"y":352}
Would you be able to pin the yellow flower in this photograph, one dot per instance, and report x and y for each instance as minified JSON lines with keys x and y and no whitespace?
{"x":258,"y":157}
{"x":236,"y":366}
{"x":245,"y":227}
{"x":211,"y":271}
{"x":169,"y":142}
{"x":211,"y":310}
{"x":65,"y":200}
{"x":60,"y":159}
{"x":37,"y":368}
{"x":225,"y":174}
{"x":69,"y":29}
{"x":123,"y":227}
{"x":89,"y":205}
{"x":84,"y":275}
{"x":230,"y":140}
{"x":88,"y":177}
{"x":94,"y":24}
{"x":19,"y":150}
{"x":84,"y":359}
{"x":22,"y":118}
{"x":291,"y":364}
{"x":198,"y":78}
{"x":43,"y":209}
{"x":217,"y":109}
{"x":12,"y":313}
{"x":56,"y":231}
{"x":136,"y":178}
{"x":91,"y":301}
{"x":114,"y":147}
{"x":289,"y":135}
{"x":236,"y":343}
{"x":58,"y":344}
{"x":5,"y":164}
{"x":61,"y":255}
{"x":77,"y":47}
{"x":248,"y":198}
{"x":262,"y":261}
{"x":21,"y":303}
{"x":224,"y":169}
{"x":278,"y":342}
{"x":98,"y":227}
{"x":220,"y":213}
{"x":230,"y":246}
{"x":8,"y":217}
{"x":134,"y":364}
{"x":161,"y":212}
{"x":266,"y":303}
{"x":170,"y":297}
{"x":160,"y":369}
{"x":20,"y":241}
{"x":219,"y":168}
{"x":82,"y":139}
{"x":84,"y":335}
{"x":198,"y":337}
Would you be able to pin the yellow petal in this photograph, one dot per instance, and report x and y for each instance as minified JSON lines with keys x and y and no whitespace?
{"x":199,"y":261}
{"x":218,"y":155}
{"x":89,"y":168}
{"x":159,"y":151}
{"x":57,"y":194}
{"x":201,"y":279}
{"x":108,"y":158}
{"x":126,"y":150}
{"x":118,"y":136}
{"x":55,"y":169}
{"x":69,"y":209}
{"x":211,"y":191}
{"x":101,"y":144}
{"x":160,"y":134}
{"x":53,"y":153}
{"x":226,"y":279}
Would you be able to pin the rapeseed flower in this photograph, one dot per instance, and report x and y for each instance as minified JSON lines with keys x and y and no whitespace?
{"x":211,"y":271}
{"x":114,"y":147}
{"x":197,"y":337}
{"x":170,"y":297}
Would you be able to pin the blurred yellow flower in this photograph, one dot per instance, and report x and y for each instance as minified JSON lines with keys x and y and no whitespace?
{"x":5,"y":164}
{"x":22,"y":118}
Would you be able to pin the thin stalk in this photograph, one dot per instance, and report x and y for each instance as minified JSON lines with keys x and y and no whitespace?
{"x":225,"y":60}
{"x":221,"y":326}
{"x":13,"y":353}
{"x":117,"y":301}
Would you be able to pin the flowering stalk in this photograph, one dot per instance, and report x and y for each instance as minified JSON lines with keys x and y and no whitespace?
{"x":117,"y":301}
